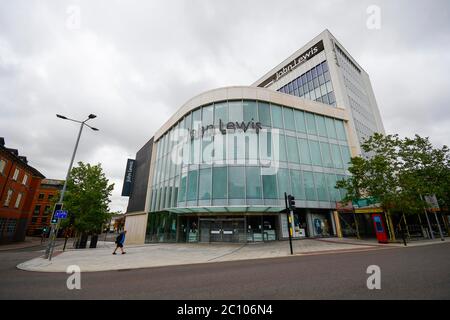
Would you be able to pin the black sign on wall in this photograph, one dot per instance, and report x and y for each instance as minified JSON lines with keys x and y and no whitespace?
{"x":128,"y":179}
{"x":305,"y":56}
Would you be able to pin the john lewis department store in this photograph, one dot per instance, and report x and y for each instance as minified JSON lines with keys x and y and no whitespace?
{"x":218,"y":169}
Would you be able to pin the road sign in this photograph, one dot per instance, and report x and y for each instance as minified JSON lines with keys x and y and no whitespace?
{"x":61,"y":214}
{"x":58,"y":207}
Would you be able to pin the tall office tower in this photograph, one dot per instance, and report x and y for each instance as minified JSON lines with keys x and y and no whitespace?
{"x":324,"y":71}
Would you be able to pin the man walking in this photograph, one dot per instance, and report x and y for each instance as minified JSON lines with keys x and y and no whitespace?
{"x":120,"y":240}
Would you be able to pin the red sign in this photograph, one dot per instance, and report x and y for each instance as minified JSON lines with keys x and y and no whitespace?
{"x":380,"y":229}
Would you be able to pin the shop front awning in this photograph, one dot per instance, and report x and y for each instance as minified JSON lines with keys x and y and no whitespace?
{"x":226,"y":210}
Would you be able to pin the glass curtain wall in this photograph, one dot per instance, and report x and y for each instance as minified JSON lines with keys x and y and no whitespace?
{"x":314,"y":84}
{"x":210,"y":158}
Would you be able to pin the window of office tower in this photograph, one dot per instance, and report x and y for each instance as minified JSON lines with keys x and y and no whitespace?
{"x":314,"y":84}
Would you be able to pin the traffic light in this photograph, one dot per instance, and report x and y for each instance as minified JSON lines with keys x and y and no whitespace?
{"x":291,"y":202}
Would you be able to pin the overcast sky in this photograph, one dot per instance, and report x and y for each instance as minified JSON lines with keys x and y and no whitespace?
{"x":133,"y":63}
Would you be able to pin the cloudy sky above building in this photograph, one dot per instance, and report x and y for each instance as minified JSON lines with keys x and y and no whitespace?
{"x":133,"y":63}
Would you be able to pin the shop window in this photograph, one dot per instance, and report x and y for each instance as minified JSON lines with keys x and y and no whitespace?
{"x":16,"y":174}
{"x":322,"y":225}
{"x":337,"y":156}
{"x":305,"y":156}
{"x":292,"y":149}
{"x":311,"y":123}
{"x":298,"y":189}
{"x":334,"y":193}
{"x":270,"y":186}
{"x":207,"y":115}
{"x":322,"y":186}
{"x":326,"y":154}
{"x":236,"y":111}
{"x":310,"y":190}
{"x":236,"y":182}
{"x":8,"y":198}
{"x":315,"y":153}
{"x":346,"y":157}
{"x":250,"y":111}
{"x":220,"y":113}
{"x":192,"y":185}
{"x":340,"y":130}
{"x":279,"y":137}
{"x":18,"y":199}
{"x":182,"y":190}
{"x":300,"y":121}
{"x":2,"y":166}
{"x":219,"y":188}
{"x":277,"y":117}
{"x":264,"y":114}
{"x":11,"y":226}
{"x":205,"y":184}
{"x":321,"y":126}
{"x":284,"y":185}
{"x":330,"y":128}
{"x":289,"y":121}
{"x":253,"y":175}
{"x":3,"y":224}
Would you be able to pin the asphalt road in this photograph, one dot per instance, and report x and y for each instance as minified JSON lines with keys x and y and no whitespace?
{"x":409,"y":273}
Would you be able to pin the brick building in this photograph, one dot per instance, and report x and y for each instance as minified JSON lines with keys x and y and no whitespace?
{"x":19,"y":183}
{"x":42,"y":206}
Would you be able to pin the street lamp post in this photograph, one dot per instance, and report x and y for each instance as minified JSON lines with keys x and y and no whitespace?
{"x":54,"y":230}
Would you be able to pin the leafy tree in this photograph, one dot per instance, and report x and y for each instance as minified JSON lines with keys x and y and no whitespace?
{"x":399,"y":172}
{"x":425,"y":170}
{"x":87,"y":198}
{"x":376,"y":175}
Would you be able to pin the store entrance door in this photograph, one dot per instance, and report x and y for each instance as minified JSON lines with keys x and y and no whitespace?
{"x":222,"y":230}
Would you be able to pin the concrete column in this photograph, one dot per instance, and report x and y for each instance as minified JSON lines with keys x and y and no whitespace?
{"x":390,"y":226}
{"x":309,"y":223}
{"x":338,"y":224}
{"x":333,"y":222}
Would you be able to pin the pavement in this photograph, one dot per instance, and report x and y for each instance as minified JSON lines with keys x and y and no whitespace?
{"x":172,"y":254}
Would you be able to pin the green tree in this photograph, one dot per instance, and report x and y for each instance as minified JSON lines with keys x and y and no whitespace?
{"x":377,"y":174}
{"x":398,"y":172}
{"x":87,"y":198}
{"x":425,"y":169}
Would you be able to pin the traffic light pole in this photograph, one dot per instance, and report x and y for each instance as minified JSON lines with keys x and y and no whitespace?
{"x":289,"y":215}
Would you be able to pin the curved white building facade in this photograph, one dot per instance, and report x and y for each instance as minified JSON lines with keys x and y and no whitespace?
{"x":219,"y":168}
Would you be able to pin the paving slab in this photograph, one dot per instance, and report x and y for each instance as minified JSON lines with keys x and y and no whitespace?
{"x":169,"y":254}
{"x":166,"y":254}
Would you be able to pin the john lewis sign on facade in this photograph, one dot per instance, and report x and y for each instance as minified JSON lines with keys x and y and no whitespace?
{"x":305,"y":56}
{"x":128,"y":180}
{"x":223,"y":127}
